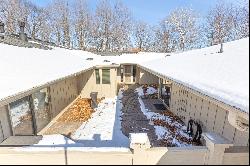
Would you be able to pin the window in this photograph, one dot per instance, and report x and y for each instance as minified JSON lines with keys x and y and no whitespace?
{"x":105,"y":76}
{"x":40,"y":102}
{"x":97,"y":76}
{"x":127,"y":69}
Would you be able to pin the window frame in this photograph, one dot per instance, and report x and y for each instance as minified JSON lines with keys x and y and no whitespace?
{"x":97,"y":77}
{"x":104,"y":81}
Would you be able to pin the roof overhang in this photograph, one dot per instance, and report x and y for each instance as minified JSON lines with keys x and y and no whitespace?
{"x":237,"y":117}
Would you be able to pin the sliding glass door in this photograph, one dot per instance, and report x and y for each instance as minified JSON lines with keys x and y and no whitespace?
{"x":41,"y":109}
{"x":21,"y":117}
{"x":30,"y":114}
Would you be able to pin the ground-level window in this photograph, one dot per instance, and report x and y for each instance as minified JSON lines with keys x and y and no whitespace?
{"x":105,"y":76}
{"x":97,"y":76}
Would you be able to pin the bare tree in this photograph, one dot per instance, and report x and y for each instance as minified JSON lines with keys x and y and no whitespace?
{"x":164,"y":39}
{"x":9,"y":9}
{"x":183,"y":23}
{"x":34,"y":19}
{"x":220,"y":23}
{"x":59,"y":20}
{"x":46,"y":29}
{"x":242,"y":21}
{"x":103,"y":25}
{"x":82,"y":21}
{"x":121,"y":27}
{"x":142,"y":34}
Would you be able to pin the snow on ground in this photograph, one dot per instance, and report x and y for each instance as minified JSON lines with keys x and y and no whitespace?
{"x":150,"y":90}
{"x":160,"y":131}
{"x":59,"y":142}
{"x":138,"y":138}
{"x":102,"y":132}
{"x":104,"y":127}
{"x":223,"y":76}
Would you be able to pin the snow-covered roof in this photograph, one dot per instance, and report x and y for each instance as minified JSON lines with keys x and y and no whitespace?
{"x":21,"y":68}
{"x":223,"y":76}
{"x":24,"y":68}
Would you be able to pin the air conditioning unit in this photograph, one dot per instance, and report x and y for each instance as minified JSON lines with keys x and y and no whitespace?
{"x":238,"y":122}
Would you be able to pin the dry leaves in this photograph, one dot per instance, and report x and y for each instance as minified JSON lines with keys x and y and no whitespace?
{"x":80,"y":111}
{"x":173,"y":133}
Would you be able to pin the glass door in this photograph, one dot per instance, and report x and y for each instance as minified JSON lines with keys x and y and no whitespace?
{"x":160,"y":88}
{"x":166,"y":94}
{"x":42,"y":116}
{"x":1,"y":132}
{"x":128,"y":74}
{"x":21,"y":117}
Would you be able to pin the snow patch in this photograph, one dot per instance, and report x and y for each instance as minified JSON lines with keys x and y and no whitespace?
{"x":162,"y":132}
{"x":103,"y":129}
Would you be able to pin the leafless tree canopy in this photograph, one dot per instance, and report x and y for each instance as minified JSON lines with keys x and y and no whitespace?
{"x":111,"y":27}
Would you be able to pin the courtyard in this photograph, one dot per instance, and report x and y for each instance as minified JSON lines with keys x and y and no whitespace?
{"x":110,"y":124}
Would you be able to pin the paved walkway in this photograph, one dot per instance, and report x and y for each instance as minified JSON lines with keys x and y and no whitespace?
{"x":133,"y":120}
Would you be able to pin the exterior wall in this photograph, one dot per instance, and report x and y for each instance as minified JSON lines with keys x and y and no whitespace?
{"x":153,"y":156}
{"x":98,"y":158}
{"x":236,"y":159}
{"x":62,"y":94}
{"x":176,"y":156}
{"x":216,"y":152}
{"x":213,"y":118}
{"x":86,"y":84}
{"x":146,"y":77}
{"x":64,"y":157}
{"x":5,"y":127}
{"x":236,"y":156}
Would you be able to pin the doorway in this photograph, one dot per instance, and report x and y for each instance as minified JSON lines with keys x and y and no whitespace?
{"x":30,"y":114}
